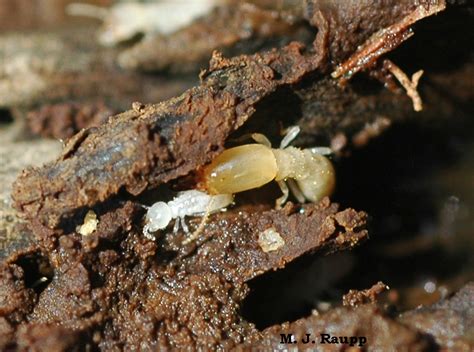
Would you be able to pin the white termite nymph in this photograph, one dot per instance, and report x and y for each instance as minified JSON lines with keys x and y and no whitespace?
{"x":307,"y":172}
{"x":187,"y":203}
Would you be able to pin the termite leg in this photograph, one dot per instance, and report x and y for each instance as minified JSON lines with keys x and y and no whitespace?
{"x":321,"y":150}
{"x":176,"y":225}
{"x":184,"y":225}
{"x":261,"y":139}
{"x":146,"y":232}
{"x":284,"y":188}
{"x":291,"y":134}
{"x":295,"y":190}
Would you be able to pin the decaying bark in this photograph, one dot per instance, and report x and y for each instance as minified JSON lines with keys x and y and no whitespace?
{"x":232,"y":29}
{"x":64,"y":120}
{"x":230,"y":243}
{"x":381,"y":332}
{"x":450,"y":322}
{"x":154,"y":144}
{"x":356,"y":298}
{"x":14,"y":233}
{"x":159,"y":143}
{"x":385,"y":40}
{"x":45,"y":68}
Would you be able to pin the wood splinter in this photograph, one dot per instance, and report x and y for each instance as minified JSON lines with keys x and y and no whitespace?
{"x":410,"y":85}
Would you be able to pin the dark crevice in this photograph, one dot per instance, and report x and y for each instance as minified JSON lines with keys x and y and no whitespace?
{"x":6,"y":117}
{"x":403,"y":197}
{"x":38,"y":271}
{"x":271,"y":117}
{"x":293,"y":292}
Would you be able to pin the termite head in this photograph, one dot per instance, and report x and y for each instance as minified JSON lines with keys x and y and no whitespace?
{"x":158,"y":217}
{"x":321,"y":178}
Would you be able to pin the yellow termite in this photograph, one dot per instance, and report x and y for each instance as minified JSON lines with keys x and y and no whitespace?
{"x":307,"y":172}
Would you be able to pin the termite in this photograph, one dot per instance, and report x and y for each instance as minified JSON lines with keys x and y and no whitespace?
{"x":307,"y":172}
{"x":187,"y":203}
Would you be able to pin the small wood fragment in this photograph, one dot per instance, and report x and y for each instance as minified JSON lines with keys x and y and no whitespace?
{"x":410,"y":85}
{"x":90,"y":224}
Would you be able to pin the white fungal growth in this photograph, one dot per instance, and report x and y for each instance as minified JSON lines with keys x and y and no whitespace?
{"x":90,"y":224}
{"x":187,"y":203}
{"x":270,"y":240}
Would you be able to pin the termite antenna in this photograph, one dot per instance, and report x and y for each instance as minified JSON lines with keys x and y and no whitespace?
{"x":321,"y":150}
{"x":261,"y":139}
{"x":200,"y":228}
{"x":291,"y":134}
{"x":147,"y":233}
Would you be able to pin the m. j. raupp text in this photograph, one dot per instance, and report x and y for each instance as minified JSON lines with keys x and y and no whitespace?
{"x":324,"y":339}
